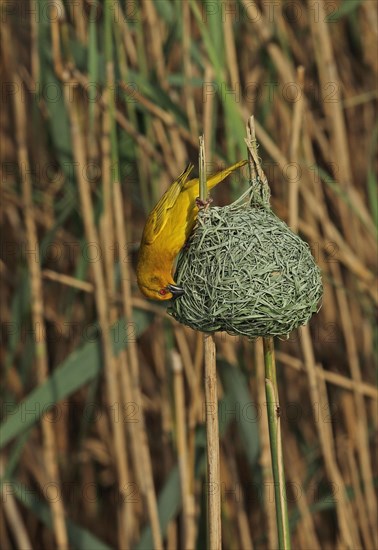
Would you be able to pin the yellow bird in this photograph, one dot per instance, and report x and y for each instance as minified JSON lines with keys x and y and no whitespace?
{"x":167,"y":229}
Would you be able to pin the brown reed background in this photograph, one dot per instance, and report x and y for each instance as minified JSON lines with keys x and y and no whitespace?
{"x":102,"y":429}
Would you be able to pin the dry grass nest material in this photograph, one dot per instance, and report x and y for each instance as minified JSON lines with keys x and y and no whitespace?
{"x":245,"y":272}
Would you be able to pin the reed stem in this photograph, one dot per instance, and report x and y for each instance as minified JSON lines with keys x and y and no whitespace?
{"x":214,"y":527}
{"x":212,"y":435}
{"x":274,"y":422}
{"x":202,"y":170}
{"x":271,"y":388}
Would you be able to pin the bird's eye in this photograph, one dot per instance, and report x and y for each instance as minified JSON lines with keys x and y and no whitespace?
{"x":162,"y":292}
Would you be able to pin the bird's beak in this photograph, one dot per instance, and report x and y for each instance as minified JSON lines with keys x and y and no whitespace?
{"x":176,"y":291}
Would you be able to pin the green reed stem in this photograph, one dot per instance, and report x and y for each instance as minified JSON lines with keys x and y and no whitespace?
{"x":271,"y":388}
{"x":274,"y":422}
{"x":202,"y":170}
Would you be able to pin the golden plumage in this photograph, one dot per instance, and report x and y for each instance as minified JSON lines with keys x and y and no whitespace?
{"x":167,"y":229}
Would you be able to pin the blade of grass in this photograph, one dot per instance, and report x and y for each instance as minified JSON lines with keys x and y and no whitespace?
{"x":240,"y":400}
{"x":78,"y":537}
{"x":346,"y":8}
{"x":82,"y":366}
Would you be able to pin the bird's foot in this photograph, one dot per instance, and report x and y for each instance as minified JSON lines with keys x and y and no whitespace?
{"x":203,"y":203}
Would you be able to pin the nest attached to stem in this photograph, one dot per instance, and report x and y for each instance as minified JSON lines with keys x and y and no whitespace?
{"x":245,"y":272}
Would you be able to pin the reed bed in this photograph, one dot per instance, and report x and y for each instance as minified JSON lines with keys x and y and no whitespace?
{"x":102,"y":434}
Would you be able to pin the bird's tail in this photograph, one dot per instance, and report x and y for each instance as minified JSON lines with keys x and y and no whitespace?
{"x":186,"y":173}
{"x":213,"y":180}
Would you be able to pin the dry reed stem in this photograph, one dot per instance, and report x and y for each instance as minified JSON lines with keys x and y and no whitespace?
{"x":230,"y":49}
{"x":79,"y":22}
{"x":318,"y":395}
{"x":12,"y":514}
{"x":241,"y":515}
{"x":6,"y":538}
{"x":362,"y":442}
{"x":165,"y":117}
{"x":189,"y":527}
{"x":306,"y":528}
{"x":172,"y":535}
{"x":142,"y":141}
{"x":194,"y":383}
{"x":212,"y":437}
{"x":141,"y":454}
{"x":37,"y":313}
{"x":293,"y":153}
{"x":208,"y":113}
{"x":126,"y":35}
{"x":319,"y":398}
{"x":183,"y":346}
{"x":274,"y":151}
{"x":35,"y":65}
{"x":196,"y":404}
{"x":67,"y":280}
{"x":352,"y":467}
{"x":14,"y":518}
{"x":214,"y":528}
{"x":265,"y":458}
{"x":40,"y":216}
{"x":176,"y":131}
{"x":110,"y":365}
{"x":156,"y":48}
{"x":266,"y":34}
{"x":162,"y":139}
{"x":126,"y":515}
{"x":345,"y":253}
{"x":334,"y":378}
{"x":330,"y":311}
{"x":328,"y":73}
{"x":55,"y":41}
{"x":106,"y":224}
{"x":188,"y":72}
{"x":334,"y":448}
{"x":128,"y":397}
{"x":179,"y":149}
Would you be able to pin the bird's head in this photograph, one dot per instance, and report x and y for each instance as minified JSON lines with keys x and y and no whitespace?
{"x":156,"y":288}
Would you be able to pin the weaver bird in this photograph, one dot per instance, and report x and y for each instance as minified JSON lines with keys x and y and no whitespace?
{"x":167,"y":229}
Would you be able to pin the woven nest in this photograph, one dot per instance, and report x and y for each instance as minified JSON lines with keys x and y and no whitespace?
{"x":245,"y":272}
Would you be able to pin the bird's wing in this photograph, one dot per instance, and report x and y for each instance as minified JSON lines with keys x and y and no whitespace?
{"x":159,"y":215}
